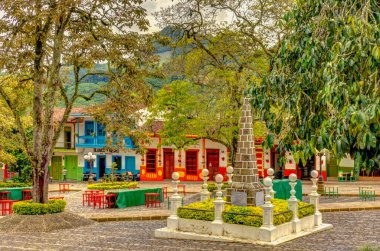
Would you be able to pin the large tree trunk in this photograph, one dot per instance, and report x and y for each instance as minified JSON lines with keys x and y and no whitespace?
{"x":40,"y":182}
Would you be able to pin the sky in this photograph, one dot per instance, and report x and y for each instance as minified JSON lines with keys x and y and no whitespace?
{"x":155,"y":5}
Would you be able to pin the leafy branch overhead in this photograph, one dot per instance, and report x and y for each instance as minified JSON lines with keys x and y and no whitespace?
{"x":324,"y":87}
{"x":56,"y":45}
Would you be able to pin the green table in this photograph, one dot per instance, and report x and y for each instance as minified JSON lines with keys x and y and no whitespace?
{"x":16,"y":192}
{"x":282,"y":189}
{"x":134,"y":197}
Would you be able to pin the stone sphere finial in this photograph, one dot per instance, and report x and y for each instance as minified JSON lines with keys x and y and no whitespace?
{"x":205,"y":172}
{"x":314,"y":173}
{"x":270,"y":171}
{"x":175,"y":175}
{"x":267,"y":182}
{"x":218,"y":178}
{"x":230,"y":169}
{"x":292,"y":177}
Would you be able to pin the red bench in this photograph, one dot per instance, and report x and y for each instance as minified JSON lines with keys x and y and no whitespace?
{"x":6,"y":206}
{"x":152,"y":199}
{"x":26,"y":194}
{"x":64,"y":187}
{"x":5,"y":195}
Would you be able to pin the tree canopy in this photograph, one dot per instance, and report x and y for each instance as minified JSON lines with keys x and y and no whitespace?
{"x":221,"y":58}
{"x":46,"y":42}
{"x":323,"y":90}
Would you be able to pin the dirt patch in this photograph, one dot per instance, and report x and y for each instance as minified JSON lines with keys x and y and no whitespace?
{"x":42,"y":223}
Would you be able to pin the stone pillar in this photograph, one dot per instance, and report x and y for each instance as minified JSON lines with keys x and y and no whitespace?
{"x":270,"y":173}
{"x":175,"y":203}
{"x":314,"y":199}
{"x":230,"y":171}
{"x":205,"y":194}
{"x":268,"y":206}
{"x":217,"y":224}
{"x":293,"y":204}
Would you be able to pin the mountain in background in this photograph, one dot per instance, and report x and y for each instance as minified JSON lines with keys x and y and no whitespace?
{"x":94,"y":82}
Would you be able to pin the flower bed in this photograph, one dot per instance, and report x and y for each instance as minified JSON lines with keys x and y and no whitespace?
{"x":112,"y":185}
{"x":14,"y":184}
{"x":250,"y":216}
{"x":31,"y":208}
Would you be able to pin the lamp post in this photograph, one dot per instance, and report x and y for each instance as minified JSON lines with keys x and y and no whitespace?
{"x":320,"y":179}
{"x":90,"y":158}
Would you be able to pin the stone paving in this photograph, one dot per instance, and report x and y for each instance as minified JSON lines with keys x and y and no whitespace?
{"x":74,"y":200}
{"x":351,"y":230}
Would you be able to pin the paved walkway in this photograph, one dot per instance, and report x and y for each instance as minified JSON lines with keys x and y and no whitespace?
{"x":74,"y":200}
{"x":351,"y":231}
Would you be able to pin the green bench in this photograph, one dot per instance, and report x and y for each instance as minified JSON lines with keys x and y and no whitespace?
{"x":367,"y":193}
{"x":331,"y":191}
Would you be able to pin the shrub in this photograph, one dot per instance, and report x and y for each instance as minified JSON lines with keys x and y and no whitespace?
{"x":305,"y":209}
{"x":211,"y":187}
{"x":32,"y":208}
{"x":250,"y":216}
{"x":15,"y":184}
{"x":112,"y":185}
{"x":198,"y":211}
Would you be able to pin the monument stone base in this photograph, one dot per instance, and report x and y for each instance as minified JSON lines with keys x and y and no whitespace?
{"x":203,"y":230}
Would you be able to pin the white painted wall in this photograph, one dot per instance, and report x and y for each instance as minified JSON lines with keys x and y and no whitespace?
{"x":61,"y":139}
{"x":347,"y":162}
{"x":289,"y":161}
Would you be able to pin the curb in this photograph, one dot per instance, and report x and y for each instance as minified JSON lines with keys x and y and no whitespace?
{"x":130,"y":218}
{"x":342,"y":195}
{"x":323,"y":210}
{"x":71,"y":190}
{"x":164,"y":217}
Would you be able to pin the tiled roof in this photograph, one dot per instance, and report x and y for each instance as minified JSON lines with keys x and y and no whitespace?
{"x":59,"y":111}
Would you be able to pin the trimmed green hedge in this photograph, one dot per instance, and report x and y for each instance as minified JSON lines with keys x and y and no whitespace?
{"x":305,"y":209}
{"x":253,"y":216}
{"x":31,"y":208}
{"x":198,"y":211}
{"x":250,"y":216}
{"x":211,"y":187}
{"x":14,"y":184}
{"x":112,"y":185}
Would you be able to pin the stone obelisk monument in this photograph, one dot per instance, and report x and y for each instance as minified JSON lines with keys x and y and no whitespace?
{"x":246,"y":188}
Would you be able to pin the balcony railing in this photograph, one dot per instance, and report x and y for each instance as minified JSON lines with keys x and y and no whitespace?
{"x":91,"y":141}
{"x":100,"y":142}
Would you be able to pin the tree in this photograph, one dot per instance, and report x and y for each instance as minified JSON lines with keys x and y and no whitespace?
{"x":323,"y":90}
{"x":222,"y":57}
{"x":11,"y":150}
{"x":41,"y":40}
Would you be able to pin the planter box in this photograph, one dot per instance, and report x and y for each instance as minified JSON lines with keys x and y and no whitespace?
{"x":202,"y":230}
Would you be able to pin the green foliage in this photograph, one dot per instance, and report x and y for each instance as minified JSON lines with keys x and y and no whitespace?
{"x":112,"y":185}
{"x":211,"y":187}
{"x":203,"y":211}
{"x":305,"y":209}
{"x":21,"y":165}
{"x":178,"y":105}
{"x":15,"y":184}
{"x":323,"y":88}
{"x":250,"y":216}
{"x":31,"y":208}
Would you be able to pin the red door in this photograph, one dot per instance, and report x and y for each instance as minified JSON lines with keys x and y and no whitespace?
{"x":212,"y":157}
{"x":168,"y":163}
